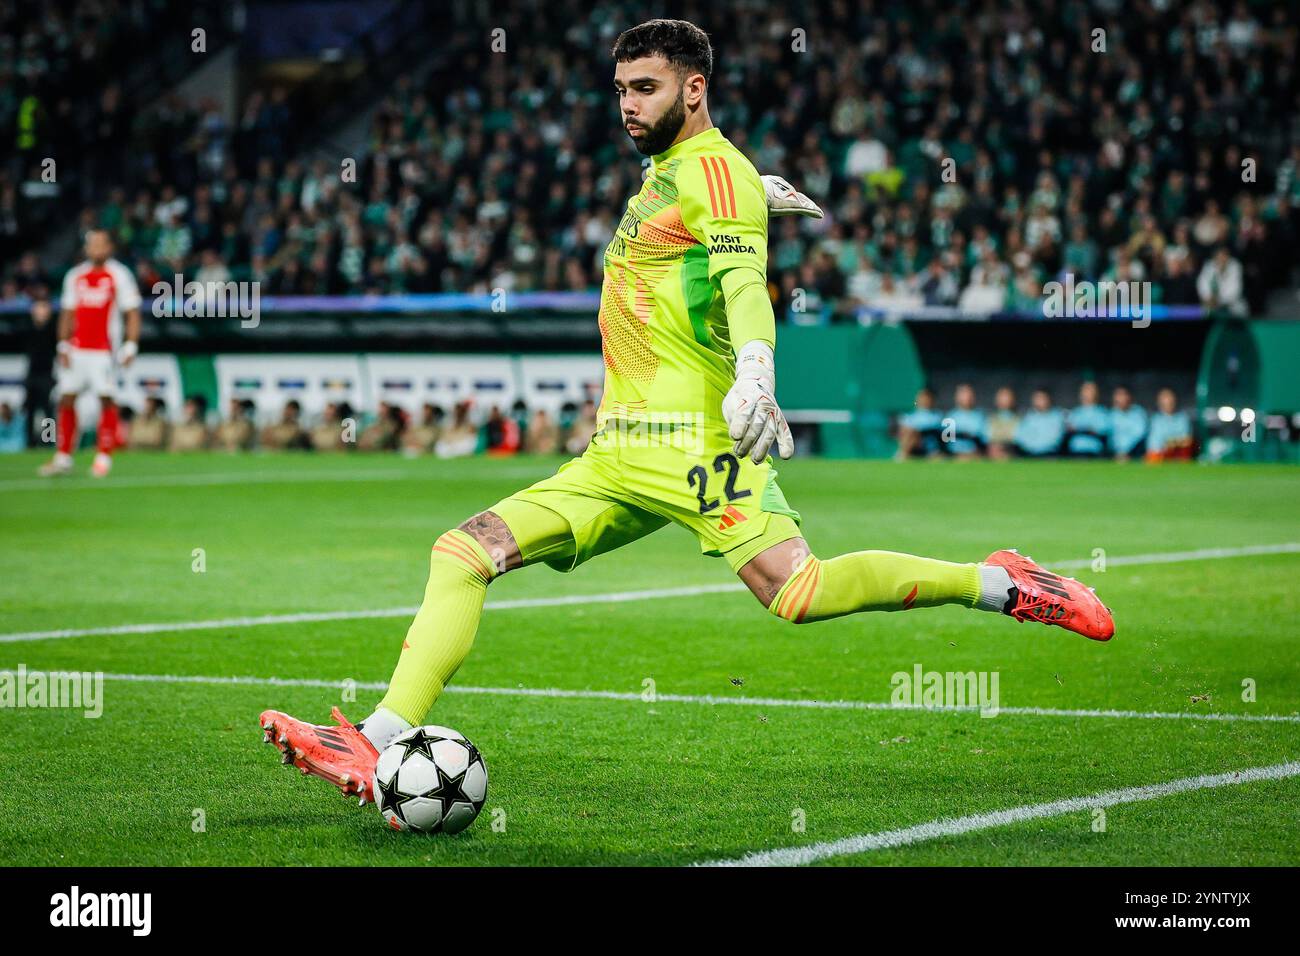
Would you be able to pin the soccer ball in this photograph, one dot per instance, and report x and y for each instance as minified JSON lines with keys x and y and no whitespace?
{"x":430,"y":780}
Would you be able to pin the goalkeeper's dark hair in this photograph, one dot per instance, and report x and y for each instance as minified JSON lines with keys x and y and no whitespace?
{"x":680,"y":42}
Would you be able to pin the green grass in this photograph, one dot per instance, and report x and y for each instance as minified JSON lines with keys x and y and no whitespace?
{"x":609,"y":781}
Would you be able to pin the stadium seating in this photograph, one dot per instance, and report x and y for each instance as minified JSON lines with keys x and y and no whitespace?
{"x":1114,"y":163}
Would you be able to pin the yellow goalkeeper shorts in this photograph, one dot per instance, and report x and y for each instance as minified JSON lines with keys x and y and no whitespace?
{"x":632,"y":481}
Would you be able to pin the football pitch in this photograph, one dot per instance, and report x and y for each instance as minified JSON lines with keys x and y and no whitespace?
{"x":645,"y":709}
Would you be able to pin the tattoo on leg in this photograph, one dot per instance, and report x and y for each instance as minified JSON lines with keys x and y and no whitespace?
{"x":769,"y":571}
{"x":491,"y":532}
{"x":765,"y":587}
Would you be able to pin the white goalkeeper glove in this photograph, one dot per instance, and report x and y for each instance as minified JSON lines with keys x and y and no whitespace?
{"x":754,"y":420}
{"x":784,"y":200}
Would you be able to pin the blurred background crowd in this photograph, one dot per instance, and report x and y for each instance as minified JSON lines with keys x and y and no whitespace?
{"x":1111,"y":147}
{"x":432,"y":430}
{"x":1122,"y":430}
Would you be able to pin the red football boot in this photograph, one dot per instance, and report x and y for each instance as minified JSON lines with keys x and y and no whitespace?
{"x":1039,"y":595}
{"x":342,"y":755}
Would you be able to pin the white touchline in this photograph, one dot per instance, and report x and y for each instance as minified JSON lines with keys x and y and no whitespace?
{"x":956,"y":826}
{"x":1174,"y":557}
{"x":707,"y":699}
{"x":308,"y":617}
{"x":614,"y":597}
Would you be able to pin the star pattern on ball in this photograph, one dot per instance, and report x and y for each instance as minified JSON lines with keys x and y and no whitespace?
{"x":474,"y":755}
{"x":450,"y":789}
{"x":390,"y":798}
{"x":418,"y":743}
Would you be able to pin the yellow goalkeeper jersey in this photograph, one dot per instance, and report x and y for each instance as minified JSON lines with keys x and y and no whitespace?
{"x":663,"y":325}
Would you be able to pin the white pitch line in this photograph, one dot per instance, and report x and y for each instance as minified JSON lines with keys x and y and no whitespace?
{"x":1174,"y":557}
{"x":956,"y":826}
{"x":309,"y":617}
{"x":570,"y":599}
{"x":218,"y":624}
{"x":706,"y":699}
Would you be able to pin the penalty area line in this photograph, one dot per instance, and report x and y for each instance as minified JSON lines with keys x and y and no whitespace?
{"x":611,"y":597}
{"x":702,"y":699}
{"x":958,"y":826}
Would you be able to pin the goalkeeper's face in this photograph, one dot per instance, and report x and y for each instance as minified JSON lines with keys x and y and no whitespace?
{"x":651,"y":96}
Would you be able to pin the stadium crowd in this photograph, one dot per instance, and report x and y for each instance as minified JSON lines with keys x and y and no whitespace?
{"x":1122,"y":431}
{"x":964,"y":158}
{"x":468,"y":430}
{"x":64,"y":97}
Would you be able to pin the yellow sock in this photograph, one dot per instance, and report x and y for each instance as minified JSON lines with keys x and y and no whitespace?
{"x":873,"y":581}
{"x":442,"y":633}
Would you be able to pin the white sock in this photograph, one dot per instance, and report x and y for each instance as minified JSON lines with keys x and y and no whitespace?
{"x":382,"y":726}
{"x":995,"y":587}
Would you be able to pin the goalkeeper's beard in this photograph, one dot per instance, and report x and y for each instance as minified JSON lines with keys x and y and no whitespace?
{"x":660,"y":136}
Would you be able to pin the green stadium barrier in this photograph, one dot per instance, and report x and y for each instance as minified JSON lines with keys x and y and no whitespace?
{"x":199,"y":377}
{"x":1251,"y":365}
{"x":848,"y":382}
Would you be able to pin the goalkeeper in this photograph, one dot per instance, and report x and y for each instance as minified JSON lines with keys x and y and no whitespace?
{"x":684,"y":429}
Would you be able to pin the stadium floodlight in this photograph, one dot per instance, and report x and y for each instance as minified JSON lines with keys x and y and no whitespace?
{"x":1227,"y":413}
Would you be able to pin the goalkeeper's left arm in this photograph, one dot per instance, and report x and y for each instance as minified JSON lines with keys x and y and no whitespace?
{"x":749,"y":315}
{"x":753,"y":417}
{"x":725,"y":204}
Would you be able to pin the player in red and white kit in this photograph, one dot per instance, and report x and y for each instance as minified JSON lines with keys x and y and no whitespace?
{"x":96,"y":295}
